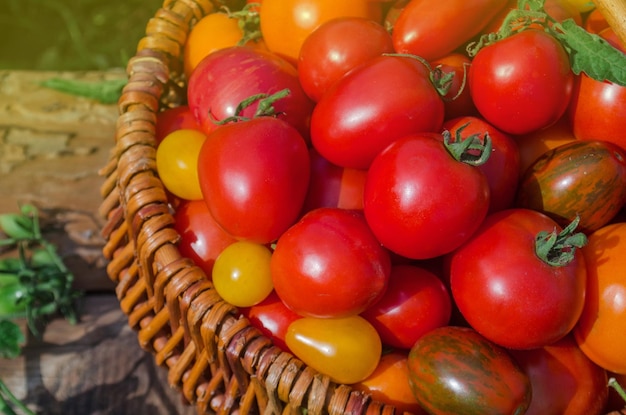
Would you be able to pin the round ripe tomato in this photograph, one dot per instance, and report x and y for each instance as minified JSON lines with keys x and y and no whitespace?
{"x":254,"y":177}
{"x":225,"y":78}
{"x":336,"y":47}
{"x":272,"y":317}
{"x":434,"y":29}
{"x":455,"y":370}
{"x":177,"y":163}
{"x":333,"y":186}
{"x":502,"y":168}
{"x":416,"y":301}
{"x":389,"y":383}
{"x":598,"y":109}
{"x":421,"y":202}
{"x":330,"y":265}
{"x":299,"y":18}
{"x":509,"y":294}
{"x":535,"y":144}
{"x":522,"y":92}
{"x":241,"y":273}
{"x":581,"y":383}
{"x":595,"y":22}
{"x":202,"y":239}
{"x":346,"y":349}
{"x":458,"y":100}
{"x":172,"y":119}
{"x":375,"y":104}
{"x":601,"y":330}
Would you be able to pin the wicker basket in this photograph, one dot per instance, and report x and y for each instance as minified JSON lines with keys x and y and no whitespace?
{"x":217,"y":359}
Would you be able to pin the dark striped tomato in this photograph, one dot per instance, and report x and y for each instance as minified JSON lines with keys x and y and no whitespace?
{"x":585,"y":178}
{"x":455,"y":370}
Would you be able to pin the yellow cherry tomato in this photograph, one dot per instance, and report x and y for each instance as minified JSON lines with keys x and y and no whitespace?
{"x":241,"y":273}
{"x":580,"y":5}
{"x":177,"y":163}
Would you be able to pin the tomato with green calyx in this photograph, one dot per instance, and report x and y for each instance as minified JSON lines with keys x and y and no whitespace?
{"x":585,"y":179}
{"x":329,"y":264}
{"x":457,"y":100}
{"x":424,"y":196}
{"x":520,"y":280}
{"x":345,"y":349}
{"x":455,"y":370}
{"x":241,"y":273}
{"x":177,"y":163}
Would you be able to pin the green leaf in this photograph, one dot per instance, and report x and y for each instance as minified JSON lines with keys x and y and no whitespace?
{"x":106,"y":92}
{"x":591,"y":54}
{"x":11,"y":339}
{"x":16,"y":226}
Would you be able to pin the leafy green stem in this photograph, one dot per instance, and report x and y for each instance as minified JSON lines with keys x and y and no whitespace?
{"x":6,"y":397}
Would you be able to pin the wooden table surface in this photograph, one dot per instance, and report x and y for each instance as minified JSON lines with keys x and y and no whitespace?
{"x":51,"y":148}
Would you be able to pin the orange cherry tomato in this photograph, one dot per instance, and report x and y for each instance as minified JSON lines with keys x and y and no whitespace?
{"x":389,"y":383}
{"x":601,"y":330}
{"x":285,"y":24}
{"x":595,"y":22}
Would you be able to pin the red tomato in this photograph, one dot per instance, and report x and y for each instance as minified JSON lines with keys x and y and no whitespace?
{"x":502,"y":168}
{"x":509,"y":294}
{"x":598,"y":109}
{"x":202,"y":239}
{"x":286,"y":24}
{"x":254,"y":177}
{"x":333,"y":186}
{"x":581,"y":383}
{"x":336,"y":47}
{"x":330,"y":265}
{"x":458,"y":101}
{"x":522,"y":92}
{"x":172,"y":119}
{"x":421,"y":202}
{"x":416,"y":301}
{"x":375,"y":104}
{"x":434,"y":29}
{"x":225,"y":78}
{"x":272,"y":317}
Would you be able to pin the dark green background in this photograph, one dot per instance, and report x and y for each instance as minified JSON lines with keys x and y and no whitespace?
{"x":71,"y":34}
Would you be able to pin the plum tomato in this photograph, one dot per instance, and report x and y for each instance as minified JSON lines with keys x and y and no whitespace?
{"x":415,"y":302}
{"x":582,"y":385}
{"x":376,"y":103}
{"x":502,"y":167}
{"x":530,"y":290}
{"x":601,"y":330}
{"x":241,"y":273}
{"x":201,"y":238}
{"x":337,"y":46}
{"x":254,"y":177}
{"x":177,"y":163}
{"x":345,"y":349}
{"x":522,"y":92}
{"x":455,"y":370}
{"x":329,"y":264}
{"x":420,"y":201}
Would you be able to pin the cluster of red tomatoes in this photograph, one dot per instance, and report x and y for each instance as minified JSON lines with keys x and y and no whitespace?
{"x":438,"y":229}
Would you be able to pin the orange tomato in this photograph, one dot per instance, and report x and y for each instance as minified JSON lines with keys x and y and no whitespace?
{"x":601,"y":330}
{"x":595,"y":22}
{"x":389,"y":383}
{"x":286,"y":23}
{"x":532,"y":146}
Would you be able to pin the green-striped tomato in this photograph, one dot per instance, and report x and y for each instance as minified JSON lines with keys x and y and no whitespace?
{"x":455,"y":370}
{"x":584,"y":178}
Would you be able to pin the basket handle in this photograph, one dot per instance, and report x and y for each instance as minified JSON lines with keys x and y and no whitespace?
{"x":614,"y":11}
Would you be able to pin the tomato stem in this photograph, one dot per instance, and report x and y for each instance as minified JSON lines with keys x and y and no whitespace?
{"x":558,"y":249}
{"x":471,"y":150}
{"x":249,"y":22}
{"x":613,"y":383}
{"x":440,"y":80}
{"x":265,"y":107}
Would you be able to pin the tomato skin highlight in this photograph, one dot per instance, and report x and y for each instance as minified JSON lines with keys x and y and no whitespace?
{"x":375,"y":104}
{"x":520,"y":93}
{"x":455,"y":370}
{"x":537,"y":303}
{"x":583,"y":178}
{"x":330,"y":265}
{"x":424,"y":28}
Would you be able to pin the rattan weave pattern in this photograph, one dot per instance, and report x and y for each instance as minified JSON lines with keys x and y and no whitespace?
{"x":218,"y":361}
